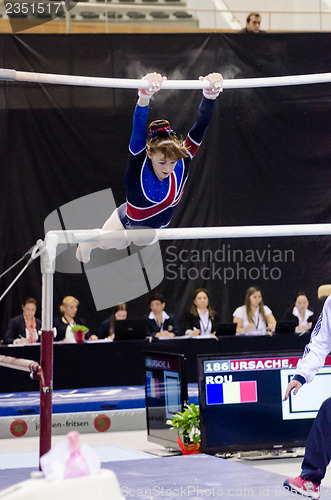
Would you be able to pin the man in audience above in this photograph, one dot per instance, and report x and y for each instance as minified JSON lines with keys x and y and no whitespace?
{"x":160,"y":324}
{"x":23,"y":329}
{"x":253,"y":23}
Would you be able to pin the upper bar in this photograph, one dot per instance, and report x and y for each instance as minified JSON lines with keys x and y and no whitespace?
{"x":87,"y":81}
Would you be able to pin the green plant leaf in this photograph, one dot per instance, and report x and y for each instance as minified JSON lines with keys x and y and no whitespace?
{"x":79,"y":327}
{"x":187,"y":424}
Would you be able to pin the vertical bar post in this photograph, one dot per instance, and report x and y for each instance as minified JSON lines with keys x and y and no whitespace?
{"x":46,"y":390}
{"x":46,"y":355}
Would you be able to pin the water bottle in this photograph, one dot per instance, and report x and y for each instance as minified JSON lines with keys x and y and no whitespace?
{"x":76,"y":464}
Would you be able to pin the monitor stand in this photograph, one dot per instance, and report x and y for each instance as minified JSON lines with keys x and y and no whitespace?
{"x":165,"y":452}
{"x":264,"y":454}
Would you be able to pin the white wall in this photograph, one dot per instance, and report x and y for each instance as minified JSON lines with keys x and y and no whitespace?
{"x":277,"y":15}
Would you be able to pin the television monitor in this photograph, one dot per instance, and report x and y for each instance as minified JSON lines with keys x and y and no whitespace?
{"x":166,"y":394}
{"x":241,"y":402}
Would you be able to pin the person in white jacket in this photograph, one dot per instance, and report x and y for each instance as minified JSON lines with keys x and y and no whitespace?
{"x":318,"y":446}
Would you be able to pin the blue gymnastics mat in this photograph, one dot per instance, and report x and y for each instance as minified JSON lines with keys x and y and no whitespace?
{"x":86,"y":410}
{"x":198,"y":477}
{"x":82,"y":400}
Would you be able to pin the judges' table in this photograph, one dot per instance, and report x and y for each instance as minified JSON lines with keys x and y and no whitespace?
{"x":104,"y":364}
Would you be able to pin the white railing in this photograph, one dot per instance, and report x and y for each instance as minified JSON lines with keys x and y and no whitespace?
{"x":214,"y":16}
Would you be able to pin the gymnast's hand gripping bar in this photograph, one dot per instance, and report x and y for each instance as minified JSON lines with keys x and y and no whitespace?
{"x":88,"y":81}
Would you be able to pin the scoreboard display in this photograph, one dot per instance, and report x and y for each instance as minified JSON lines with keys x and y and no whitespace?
{"x":242,"y":407}
{"x":166,"y":394}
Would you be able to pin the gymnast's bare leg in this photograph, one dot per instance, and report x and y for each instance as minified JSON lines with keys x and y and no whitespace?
{"x":112,"y":224}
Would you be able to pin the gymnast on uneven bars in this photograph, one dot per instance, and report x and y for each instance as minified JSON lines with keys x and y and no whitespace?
{"x":157,"y":167}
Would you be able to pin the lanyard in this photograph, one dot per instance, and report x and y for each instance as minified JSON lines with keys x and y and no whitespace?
{"x":204,"y":327}
{"x":258,"y":321}
{"x":160,"y":325}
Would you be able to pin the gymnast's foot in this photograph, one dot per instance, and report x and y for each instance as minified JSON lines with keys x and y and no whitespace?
{"x":120,"y":245}
{"x":83,"y":252}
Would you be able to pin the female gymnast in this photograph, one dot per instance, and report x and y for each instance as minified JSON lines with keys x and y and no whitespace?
{"x":157,"y":167}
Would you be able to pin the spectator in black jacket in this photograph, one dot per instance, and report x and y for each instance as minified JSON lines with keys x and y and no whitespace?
{"x":301,"y":313}
{"x":107,"y":327}
{"x":160,"y":323}
{"x":68,"y":319}
{"x":201,"y":319}
{"x":23,"y":329}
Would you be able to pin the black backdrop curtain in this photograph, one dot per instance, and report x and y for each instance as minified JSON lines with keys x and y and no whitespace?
{"x":265,"y":160}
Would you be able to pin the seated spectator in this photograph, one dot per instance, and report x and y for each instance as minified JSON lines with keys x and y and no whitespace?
{"x":64,"y":324}
{"x":23,"y":329}
{"x":301,"y":313}
{"x":202,"y":319}
{"x":253,"y":23}
{"x":159,"y":322}
{"x":254,"y":318}
{"x":107,"y":327}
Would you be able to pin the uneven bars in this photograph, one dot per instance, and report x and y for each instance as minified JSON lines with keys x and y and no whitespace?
{"x":25,"y":365}
{"x":187,"y":233}
{"x":44,"y":376}
{"x":87,"y":81}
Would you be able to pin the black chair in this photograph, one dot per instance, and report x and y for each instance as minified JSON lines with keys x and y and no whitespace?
{"x":182,"y":15}
{"x":13,"y":15}
{"x":114,"y":15}
{"x":43,"y":15}
{"x":89,"y":15}
{"x":135,"y":15}
{"x":159,"y":15}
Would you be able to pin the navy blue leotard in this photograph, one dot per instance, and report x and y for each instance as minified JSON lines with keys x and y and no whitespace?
{"x":151,"y":202}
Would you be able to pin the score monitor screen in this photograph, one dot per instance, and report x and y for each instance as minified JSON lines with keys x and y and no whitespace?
{"x":242,"y":407}
{"x":166,"y":394}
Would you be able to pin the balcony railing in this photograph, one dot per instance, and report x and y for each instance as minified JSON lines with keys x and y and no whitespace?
{"x":150,"y":16}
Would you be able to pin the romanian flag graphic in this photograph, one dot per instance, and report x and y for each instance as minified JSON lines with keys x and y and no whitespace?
{"x":153,"y":390}
{"x":231,"y":393}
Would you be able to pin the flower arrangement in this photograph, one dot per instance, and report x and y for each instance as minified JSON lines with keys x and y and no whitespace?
{"x":81,"y":328}
{"x":187,"y":424}
{"x":79,"y":332}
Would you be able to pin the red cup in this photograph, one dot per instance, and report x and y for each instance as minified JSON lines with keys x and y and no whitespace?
{"x":79,"y":336}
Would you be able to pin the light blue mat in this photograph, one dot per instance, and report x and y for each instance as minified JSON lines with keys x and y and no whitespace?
{"x":28,"y":459}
